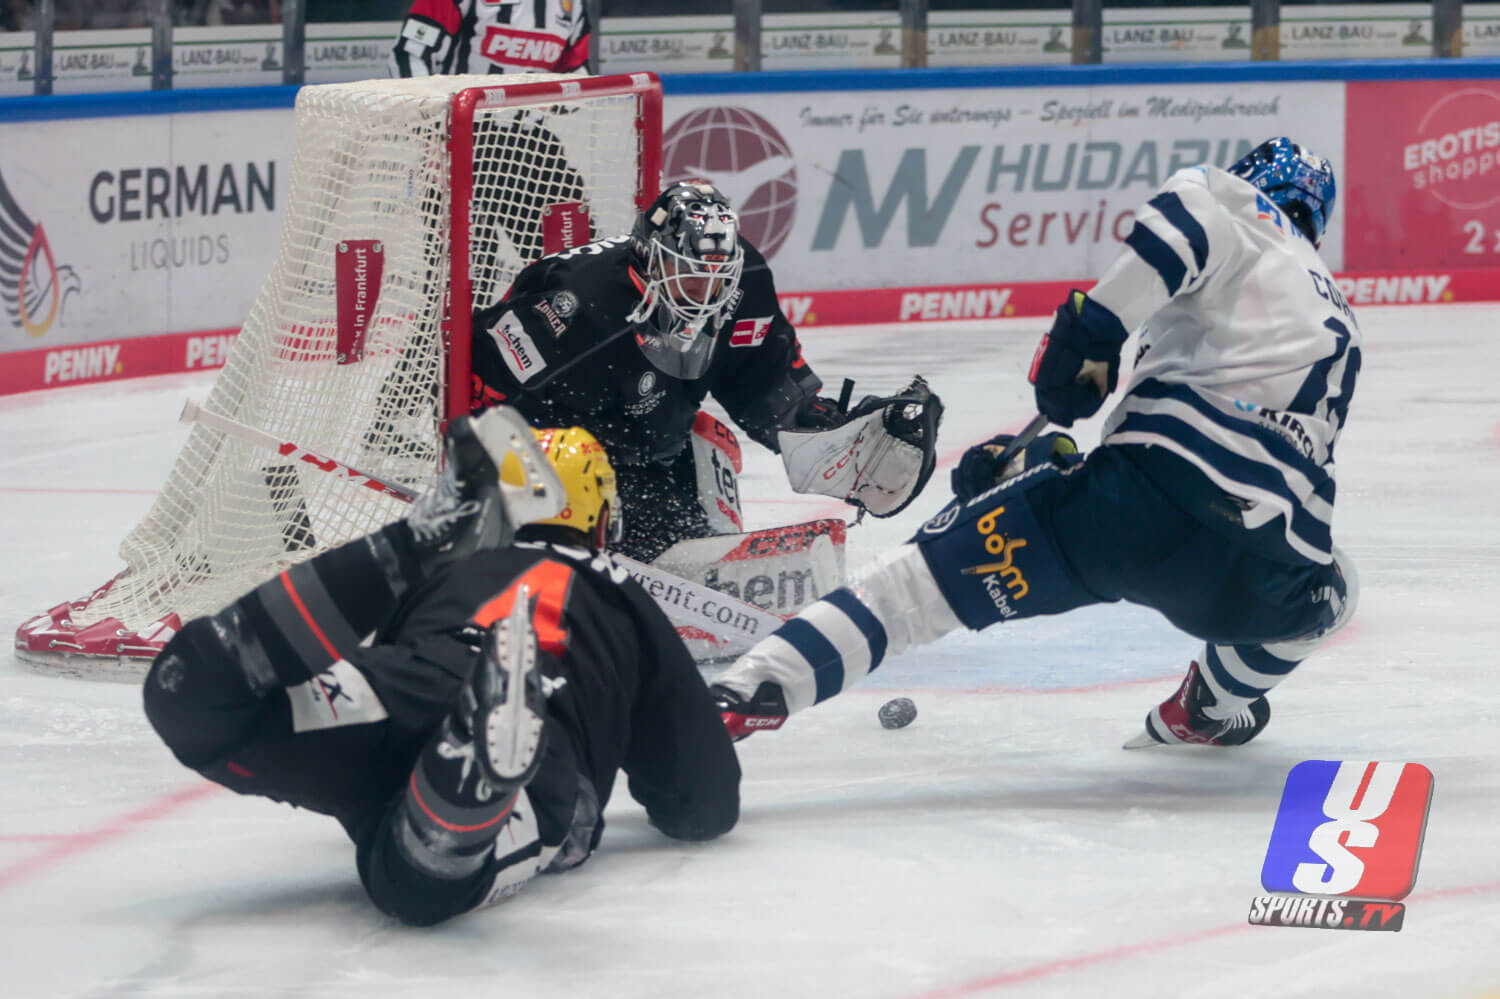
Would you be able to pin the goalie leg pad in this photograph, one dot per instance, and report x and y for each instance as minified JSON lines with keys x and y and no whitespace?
{"x":992,"y":558}
{"x":717,"y":465}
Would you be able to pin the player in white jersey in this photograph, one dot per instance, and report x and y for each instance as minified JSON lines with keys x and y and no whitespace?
{"x":1210,"y":498}
{"x":491,"y":36}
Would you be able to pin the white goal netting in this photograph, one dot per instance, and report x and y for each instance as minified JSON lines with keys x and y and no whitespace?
{"x":344,"y":351}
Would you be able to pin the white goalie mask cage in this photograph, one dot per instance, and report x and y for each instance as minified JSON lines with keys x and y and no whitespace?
{"x":688,"y":244}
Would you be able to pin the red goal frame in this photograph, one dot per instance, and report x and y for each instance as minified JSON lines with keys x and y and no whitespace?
{"x":646,"y":87}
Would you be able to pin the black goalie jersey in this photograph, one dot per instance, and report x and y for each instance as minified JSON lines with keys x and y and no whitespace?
{"x":561,"y":350}
{"x":492,"y":36}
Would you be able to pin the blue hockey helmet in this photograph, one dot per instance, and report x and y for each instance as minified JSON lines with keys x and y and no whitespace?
{"x":1295,"y":179}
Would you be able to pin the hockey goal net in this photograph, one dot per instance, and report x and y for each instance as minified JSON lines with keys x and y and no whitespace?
{"x":411,"y":203}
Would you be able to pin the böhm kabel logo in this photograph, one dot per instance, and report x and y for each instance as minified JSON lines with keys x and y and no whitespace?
{"x":1345,"y":846}
{"x":33,"y":288}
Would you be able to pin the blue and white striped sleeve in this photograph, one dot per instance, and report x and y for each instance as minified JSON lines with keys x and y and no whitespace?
{"x":1181,"y":236}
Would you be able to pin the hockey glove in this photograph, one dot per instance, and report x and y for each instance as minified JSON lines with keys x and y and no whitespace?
{"x":979,"y":470}
{"x":1083,"y":331}
{"x":878,"y":457}
{"x":764,"y":712}
{"x":819,"y":413}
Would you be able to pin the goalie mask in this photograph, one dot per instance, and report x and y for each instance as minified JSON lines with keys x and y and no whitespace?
{"x":688,"y":253}
{"x":1294,"y":179}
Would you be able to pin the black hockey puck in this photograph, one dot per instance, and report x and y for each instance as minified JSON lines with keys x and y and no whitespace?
{"x":898,"y":712}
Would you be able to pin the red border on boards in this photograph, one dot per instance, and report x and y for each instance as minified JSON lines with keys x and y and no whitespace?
{"x":172,"y":353}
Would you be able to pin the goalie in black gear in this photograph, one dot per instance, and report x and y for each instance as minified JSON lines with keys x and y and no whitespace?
{"x":460,"y":704}
{"x":628,"y":335}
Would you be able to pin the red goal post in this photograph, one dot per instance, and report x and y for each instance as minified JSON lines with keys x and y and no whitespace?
{"x":645,"y":87}
{"x":411,"y":203}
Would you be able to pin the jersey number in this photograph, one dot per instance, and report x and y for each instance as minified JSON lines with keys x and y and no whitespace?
{"x":1315,"y":388}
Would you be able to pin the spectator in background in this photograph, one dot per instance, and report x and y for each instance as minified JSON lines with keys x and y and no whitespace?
{"x":240,"y":11}
{"x":483,"y":36}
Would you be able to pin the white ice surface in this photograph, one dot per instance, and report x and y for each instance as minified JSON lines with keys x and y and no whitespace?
{"x":1003,"y":845}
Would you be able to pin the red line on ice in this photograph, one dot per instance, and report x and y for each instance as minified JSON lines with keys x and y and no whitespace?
{"x":1048,"y":968}
{"x":68,"y":846}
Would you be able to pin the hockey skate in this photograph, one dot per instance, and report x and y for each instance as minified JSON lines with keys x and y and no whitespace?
{"x":506,"y":701}
{"x":1182,"y":719}
{"x":764,"y":712}
{"x":469,"y":776}
{"x":469,"y":509}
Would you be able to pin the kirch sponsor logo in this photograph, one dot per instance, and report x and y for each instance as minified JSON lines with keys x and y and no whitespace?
{"x":1308,"y":912}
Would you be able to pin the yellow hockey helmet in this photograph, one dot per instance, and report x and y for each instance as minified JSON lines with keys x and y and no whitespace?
{"x":588,"y":479}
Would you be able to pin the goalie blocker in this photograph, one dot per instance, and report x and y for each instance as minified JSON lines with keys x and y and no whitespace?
{"x":877,"y":457}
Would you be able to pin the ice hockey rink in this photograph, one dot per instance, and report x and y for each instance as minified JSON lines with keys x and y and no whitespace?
{"x":1002,"y":845}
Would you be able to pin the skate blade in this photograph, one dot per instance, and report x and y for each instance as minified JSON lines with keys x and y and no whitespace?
{"x":512,"y":730}
{"x":503,"y":432}
{"x":1142,"y":741}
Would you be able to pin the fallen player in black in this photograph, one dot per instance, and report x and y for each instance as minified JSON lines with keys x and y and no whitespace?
{"x":473,"y":740}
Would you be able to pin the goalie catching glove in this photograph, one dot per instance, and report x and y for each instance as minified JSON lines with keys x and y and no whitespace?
{"x":877,"y":456}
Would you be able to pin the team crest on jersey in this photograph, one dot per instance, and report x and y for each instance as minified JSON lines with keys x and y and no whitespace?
{"x":651,"y":395}
{"x":555,"y":322}
{"x":565,"y":303}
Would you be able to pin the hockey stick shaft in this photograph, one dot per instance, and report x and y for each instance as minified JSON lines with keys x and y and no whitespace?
{"x":1018,"y":443}
{"x":683,"y":601}
{"x":1092,"y":371}
{"x":194,"y":413}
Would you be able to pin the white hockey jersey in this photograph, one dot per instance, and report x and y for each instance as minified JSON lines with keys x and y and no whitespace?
{"x":1249,"y":353}
{"x":491,"y":36}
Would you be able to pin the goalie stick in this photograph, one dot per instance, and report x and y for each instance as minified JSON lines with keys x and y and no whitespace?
{"x":194,"y":413}
{"x":734,"y":622}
